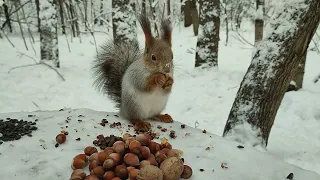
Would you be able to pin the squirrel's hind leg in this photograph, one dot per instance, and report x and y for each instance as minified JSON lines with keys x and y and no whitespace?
{"x":166,"y":118}
{"x":140,"y":125}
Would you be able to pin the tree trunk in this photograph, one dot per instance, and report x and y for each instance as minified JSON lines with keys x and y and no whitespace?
{"x":273,"y":66}
{"x":49,"y":35}
{"x":209,"y":30}
{"x":124,"y":27}
{"x":187,"y":13}
{"x":195,"y":17}
{"x":297,"y":81}
{"x":63,"y":24}
{"x":259,"y":20}
{"x":168,"y":8}
{"x":144,"y":10}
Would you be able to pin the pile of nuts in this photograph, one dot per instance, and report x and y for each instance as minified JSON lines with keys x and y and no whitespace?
{"x":135,"y":158}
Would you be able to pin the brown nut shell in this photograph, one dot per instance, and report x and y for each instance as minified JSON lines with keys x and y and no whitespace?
{"x":89,"y":150}
{"x":79,"y":172}
{"x":131,"y":159}
{"x":91,"y":177}
{"x":78,"y":164}
{"x":172,"y":168}
{"x":61,"y":138}
{"x":109,"y":175}
{"x":187,"y":172}
{"x":98,"y":171}
{"x":150,"y":172}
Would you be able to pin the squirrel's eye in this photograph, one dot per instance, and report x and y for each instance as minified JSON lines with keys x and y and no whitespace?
{"x":153,"y":57}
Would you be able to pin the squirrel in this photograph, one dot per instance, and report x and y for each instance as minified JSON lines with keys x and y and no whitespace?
{"x":139,"y":82}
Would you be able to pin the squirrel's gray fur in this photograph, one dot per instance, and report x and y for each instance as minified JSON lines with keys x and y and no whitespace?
{"x":111,"y":63}
{"x":122,"y":70}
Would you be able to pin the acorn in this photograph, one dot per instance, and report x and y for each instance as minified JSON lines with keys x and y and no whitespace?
{"x":119,"y":146}
{"x":133,"y":174}
{"x":89,"y":150}
{"x":154,"y":147}
{"x":145,"y":152}
{"x":78,"y":164}
{"x":101,"y":157}
{"x":144,"y":139}
{"x":79,"y":173}
{"x":61,"y":138}
{"x":91,"y":177}
{"x":187,"y":172}
{"x":98,"y":171}
{"x":121,"y":171}
{"x":81,"y":156}
{"x":93,"y":165}
{"x":131,"y":159}
{"x":109,"y":175}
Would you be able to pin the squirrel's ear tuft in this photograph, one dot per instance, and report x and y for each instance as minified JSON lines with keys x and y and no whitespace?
{"x":166,"y":30}
{"x":146,"y":27}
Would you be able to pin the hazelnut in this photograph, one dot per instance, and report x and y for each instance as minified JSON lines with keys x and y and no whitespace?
{"x":109,"y":163}
{"x":78,"y":164}
{"x":76,"y":178}
{"x":145,"y":152}
{"x":154,"y":147}
{"x":109,"y":150}
{"x":89,"y":150}
{"x":187,"y":172}
{"x":91,"y":177}
{"x":116,"y":178}
{"x":101,"y":157}
{"x":92,"y":165}
{"x":131,"y":159}
{"x":172,"y":168}
{"x":134,"y":144}
{"x":164,"y":150}
{"x":116,"y":157}
{"x":121,"y":171}
{"x":173,"y":152}
{"x":61,"y":138}
{"x":109,"y":175}
{"x":98,"y":171}
{"x":144,"y":139}
{"x":160,"y":157}
{"x":128,"y":141}
{"x":152,"y":160}
{"x":81,"y":156}
{"x":93,"y":157}
{"x":133,"y":173}
{"x":119,"y":146}
{"x":79,"y":173}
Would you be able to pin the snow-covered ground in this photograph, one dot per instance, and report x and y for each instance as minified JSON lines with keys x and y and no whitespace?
{"x":200,"y":99}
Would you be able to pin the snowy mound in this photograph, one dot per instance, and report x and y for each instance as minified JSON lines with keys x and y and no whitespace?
{"x":210,"y":156}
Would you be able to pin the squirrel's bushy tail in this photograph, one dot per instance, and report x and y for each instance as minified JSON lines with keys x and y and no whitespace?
{"x":111,"y":63}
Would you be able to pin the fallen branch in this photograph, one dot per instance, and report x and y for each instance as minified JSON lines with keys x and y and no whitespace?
{"x":317,"y":79}
{"x":36,"y":64}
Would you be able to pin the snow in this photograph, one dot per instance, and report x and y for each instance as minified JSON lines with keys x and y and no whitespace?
{"x":200,"y":98}
{"x":1,"y":2}
{"x":37,"y":157}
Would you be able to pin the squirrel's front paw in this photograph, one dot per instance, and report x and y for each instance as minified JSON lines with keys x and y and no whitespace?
{"x":161,"y":79}
{"x":143,"y":126}
{"x":168,"y":84}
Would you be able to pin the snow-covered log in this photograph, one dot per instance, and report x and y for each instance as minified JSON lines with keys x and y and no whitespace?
{"x":272,"y":68}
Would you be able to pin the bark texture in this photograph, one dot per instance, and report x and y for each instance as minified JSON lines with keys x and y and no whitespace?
{"x":297,"y":81}
{"x":195,"y":17}
{"x":49,"y":35}
{"x":259,"y":20}
{"x":273,"y":66}
{"x":209,"y":30}
{"x":123,"y":20}
{"x":187,"y":13}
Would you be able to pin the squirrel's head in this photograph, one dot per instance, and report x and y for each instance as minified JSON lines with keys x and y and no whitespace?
{"x":157,"y":55}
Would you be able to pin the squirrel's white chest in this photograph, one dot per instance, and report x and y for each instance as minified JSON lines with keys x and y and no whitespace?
{"x":149,"y":103}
